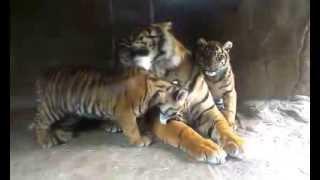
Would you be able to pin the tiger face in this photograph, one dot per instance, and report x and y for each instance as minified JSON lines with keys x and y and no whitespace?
{"x":172,"y":101}
{"x":212,"y":56}
{"x":146,"y":47}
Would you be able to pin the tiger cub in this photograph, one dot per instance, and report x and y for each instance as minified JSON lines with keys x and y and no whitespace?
{"x":88,"y":92}
{"x":214,"y":60}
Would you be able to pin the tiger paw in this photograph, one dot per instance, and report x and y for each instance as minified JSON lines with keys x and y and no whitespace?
{"x":232,"y":123}
{"x":63,"y":136}
{"x":233,"y":145}
{"x":142,"y":142}
{"x":228,"y":139}
{"x":45,"y":139}
{"x":207,"y":151}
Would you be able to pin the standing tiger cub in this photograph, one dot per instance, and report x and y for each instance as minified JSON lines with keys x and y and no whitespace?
{"x":87,"y":92}
{"x":214,"y":60}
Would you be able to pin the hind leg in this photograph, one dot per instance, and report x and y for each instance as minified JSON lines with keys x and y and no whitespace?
{"x":64,"y":130}
{"x":46,"y":136}
{"x":62,"y":136}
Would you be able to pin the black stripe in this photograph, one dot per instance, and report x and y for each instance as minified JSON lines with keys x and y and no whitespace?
{"x":115,"y":105}
{"x":60,"y":88}
{"x":193,"y":82}
{"x":206,"y":110}
{"x":88,"y":96}
{"x":49,"y":93}
{"x":78,"y":93}
{"x":57,"y":138}
{"x":93,"y":111}
{"x":160,"y":43}
{"x":73,"y":87}
{"x":202,"y":100}
{"x":225,"y":86}
{"x":193,"y":65}
{"x":210,"y":131}
{"x":170,"y":108}
{"x":49,"y":114}
{"x":145,"y":94}
{"x":150,"y":100}
{"x":227,"y":92}
{"x":161,"y":39}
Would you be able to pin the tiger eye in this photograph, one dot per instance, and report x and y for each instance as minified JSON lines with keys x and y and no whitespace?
{"x":220,"y":57}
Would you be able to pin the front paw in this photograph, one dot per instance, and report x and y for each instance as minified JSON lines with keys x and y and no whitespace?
{"x":142,"y":142}
{"x":232,"y":144}
{"x":206,"y":151}
{"x":228,"y":139}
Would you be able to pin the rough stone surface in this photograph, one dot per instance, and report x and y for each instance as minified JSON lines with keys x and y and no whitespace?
{"x":278,"y":147}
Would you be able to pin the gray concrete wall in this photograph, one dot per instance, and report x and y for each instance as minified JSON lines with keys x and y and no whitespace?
{"x":271,"y":38}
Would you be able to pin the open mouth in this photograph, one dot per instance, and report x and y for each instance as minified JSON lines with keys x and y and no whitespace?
{"x":164,"y":117}
{"x":211,"y":73}
{"x":143,"y":62}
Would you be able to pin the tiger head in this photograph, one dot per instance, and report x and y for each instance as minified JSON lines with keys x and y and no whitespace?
{"x":212,"y":56}
{"x":153,"y":45}
{"x":171,"y":102}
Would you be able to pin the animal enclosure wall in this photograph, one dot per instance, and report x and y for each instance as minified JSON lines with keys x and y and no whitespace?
{"x":271,"y":38}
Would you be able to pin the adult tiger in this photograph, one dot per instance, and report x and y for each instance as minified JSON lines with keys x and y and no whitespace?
{"x":88,"y":92}
{"x":214,"y":60}
{"x":155,"y":49}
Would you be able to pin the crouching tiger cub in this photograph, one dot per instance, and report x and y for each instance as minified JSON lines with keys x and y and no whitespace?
{"x":214,"y":60}
{"x":85,"y":91}
{"x":155,"y":49}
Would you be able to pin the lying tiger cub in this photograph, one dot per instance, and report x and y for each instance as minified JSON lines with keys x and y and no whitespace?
{"x":214,"y":60}
{"x":87,"y":92}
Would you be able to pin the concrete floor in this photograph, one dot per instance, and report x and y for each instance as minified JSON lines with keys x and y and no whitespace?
{"x":278,"y":147}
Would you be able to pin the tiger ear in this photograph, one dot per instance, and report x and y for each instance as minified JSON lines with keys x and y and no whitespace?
{"x":227,"y":46}
{"x":165,"y":25}
{"x":201,"y":42}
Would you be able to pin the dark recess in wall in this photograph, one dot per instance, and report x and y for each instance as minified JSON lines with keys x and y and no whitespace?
{"x":271,"y":38}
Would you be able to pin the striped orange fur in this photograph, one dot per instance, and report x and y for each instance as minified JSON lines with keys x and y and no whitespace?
{"x":214,"y":60}
{"x":87,"y":92}
{"x":156,"y":49}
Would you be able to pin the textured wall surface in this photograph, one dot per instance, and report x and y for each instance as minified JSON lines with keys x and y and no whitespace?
{"x":271,"y":38}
